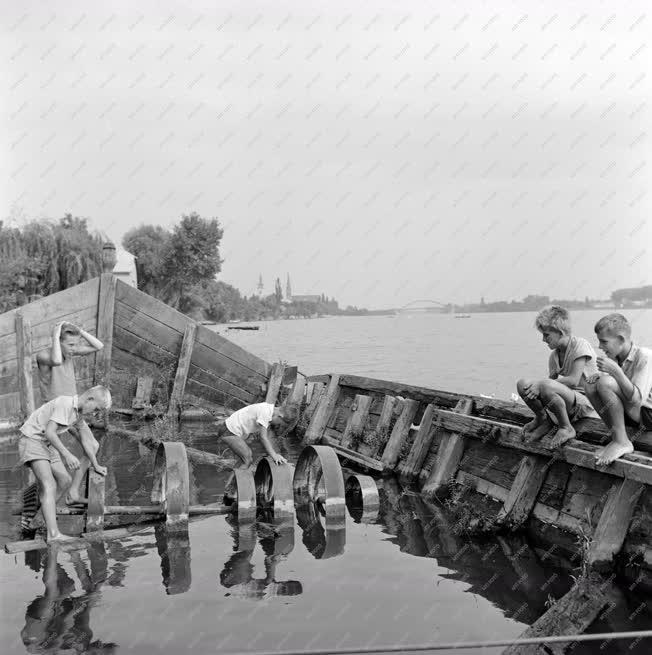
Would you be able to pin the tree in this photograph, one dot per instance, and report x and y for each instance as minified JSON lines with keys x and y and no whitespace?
{"x":191,"y":256}
{"x":278,"y":292}
{"x":148,"y":244}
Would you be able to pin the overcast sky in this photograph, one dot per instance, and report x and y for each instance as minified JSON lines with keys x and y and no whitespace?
{"x":378,"y":152}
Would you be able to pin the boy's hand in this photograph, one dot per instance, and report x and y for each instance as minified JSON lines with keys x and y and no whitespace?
{"x":279,"y":459}
{"x":532,"y":392}
{"x":71,"y":461}
{"x":100,"y":469}
{"x":606,"y":365}
{"x":592,"y":379}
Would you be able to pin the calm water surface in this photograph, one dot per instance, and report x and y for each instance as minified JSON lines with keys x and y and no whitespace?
{"x":402,"y":575}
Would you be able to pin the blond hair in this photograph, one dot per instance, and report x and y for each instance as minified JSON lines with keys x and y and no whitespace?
{"x":615,"y":325}
{"x":289,"y":415}
{"x":101,"y":394}
{"x":554,"y":317}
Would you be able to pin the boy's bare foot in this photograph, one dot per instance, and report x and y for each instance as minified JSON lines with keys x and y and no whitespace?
{"x":613,"y":451}
{"x":74,"y":499}
{"x":562,"y":436}
{"x":60,"y":538}
{"x":539,"y":431}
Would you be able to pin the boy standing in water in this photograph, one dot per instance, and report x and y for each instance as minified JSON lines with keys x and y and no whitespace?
{"x":57,"y":378}
{"x":562,"y":395}
{"x":261,"y":418}
{"x":41,"y":449}
{"x":621,"y":391}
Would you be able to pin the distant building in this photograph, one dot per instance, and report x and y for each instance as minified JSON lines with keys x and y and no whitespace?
{"x":125,"y":268}
{"x":307,"y":298}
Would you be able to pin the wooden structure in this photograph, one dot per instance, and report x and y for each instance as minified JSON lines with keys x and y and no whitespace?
{"x":436,"y":439}
{"x":179,"y":361}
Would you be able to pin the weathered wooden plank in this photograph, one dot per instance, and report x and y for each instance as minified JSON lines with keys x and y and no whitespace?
{"x":183,"y":365}
{"x":324,"y":410}
{"x":523,"y":493}
{"x":298,"y":391}
{"x":635,"y":467}
{"x":614,"y":522}
{"x":357,"y":419}
{"x":24,"y":356}
{"x":10,"y":405}
{"x":411,"y":467}
{"x":274,"y":383}
{"x":399,"y":434}
{"x":105,"y":308}
{"x":449,"y":455}
{"x":317,"y":391}
{"x":379,"y":435}
{"x":570,"y":615}
{"x":352,"y":455}
{"x":143,"y":395}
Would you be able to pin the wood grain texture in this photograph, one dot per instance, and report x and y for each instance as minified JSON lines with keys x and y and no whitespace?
{"x":24,"y":364}
{"x":183,"y":365}
{"x":105,"y":310}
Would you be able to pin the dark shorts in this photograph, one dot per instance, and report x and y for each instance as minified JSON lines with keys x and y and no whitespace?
{"x":645,"y":422}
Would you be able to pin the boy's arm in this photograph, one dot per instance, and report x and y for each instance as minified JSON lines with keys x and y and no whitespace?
{"x":53,"y":357}
{"x":575,"y":375}
{"x":51,"y":435}
{"x":630,"y":391}
{"x":266,"y":440}
{"x":94,"y":344}
{"x":88,"y":442}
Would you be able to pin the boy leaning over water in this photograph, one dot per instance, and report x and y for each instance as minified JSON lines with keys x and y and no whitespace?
{"x":261,"y":419}
{"x":41,"y":449}
{"x":621,"y":391}
{"x":561,"y":397}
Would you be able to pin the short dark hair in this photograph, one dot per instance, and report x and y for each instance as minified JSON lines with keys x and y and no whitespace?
{"x":614,"y":325}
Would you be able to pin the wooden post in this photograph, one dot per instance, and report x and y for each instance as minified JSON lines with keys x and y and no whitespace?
{"x":105,"y":307}
{"x":274,"y":383}
{"x":449,"y":455}
{"x":381,"y":431}
{"x":357,"y":420}
{"x":96,"y":498}
{"x":24,"y":364}
{"x":532,"y":472}
{"x":399,"y":434}
{"x":183,"y":365}
{"x":616,"y":516}
{"x":411,"y":467}
{"x":143,"y":393}
{"x":325,"y":408}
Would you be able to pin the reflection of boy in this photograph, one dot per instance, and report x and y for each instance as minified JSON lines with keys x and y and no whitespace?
{"x":561,"y":397}
{"x":41,"y":449}
{"x":260,"y":418}
{"x":622,"y":390}
{"x":57,"y":378}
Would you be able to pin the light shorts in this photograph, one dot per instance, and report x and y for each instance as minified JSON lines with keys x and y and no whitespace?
{"x":30,"y":449}
{"x":582,"y":408}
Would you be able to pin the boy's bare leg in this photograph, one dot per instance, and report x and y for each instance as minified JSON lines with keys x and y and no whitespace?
{"x":240,"y":448}
{"x":540,"y":425}
{"x":559,"y":400}
{"x":605,"y":396}
{"x":73,"y":496}
{"x":47,"y":491}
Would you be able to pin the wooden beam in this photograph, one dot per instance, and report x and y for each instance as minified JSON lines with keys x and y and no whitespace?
{"x":613,"y":525}
{"x":327,"y":403}
{"x":357,"y":420}
{"x":570,"y":615}
{"x":274,"y":383}
{"x":532,"y":472}
{"x":449,"y":455}
{"x":182,"y":369}
{"x":105,"y":309}
{"x":381,"y":431}
{"x":399,"y":434}
{"x":636,"y":466}
{"x":352,"y":455}
{"x":143,"y":393}
{"x":411,"y":467}
{"x":24,"y":362}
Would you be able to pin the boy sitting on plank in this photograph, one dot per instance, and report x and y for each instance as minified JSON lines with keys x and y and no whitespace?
{"x":560,"y":398}
{"x":41,"y":449}
{"x":260,"y":419}
{"x":57,"y":378}
{"x":621,"y":391}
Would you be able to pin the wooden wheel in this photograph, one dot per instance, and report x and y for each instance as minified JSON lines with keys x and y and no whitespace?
{"x":241,"y":490}
{"x":172,"y":482}
{"x":362,"y":498}
{"x":320,"y":466}
{"x":274,"y":486}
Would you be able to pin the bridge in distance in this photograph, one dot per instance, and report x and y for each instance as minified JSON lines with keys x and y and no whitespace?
{"x":425,"y":306}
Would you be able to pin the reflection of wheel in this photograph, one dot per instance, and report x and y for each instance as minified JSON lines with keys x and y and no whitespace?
{"x":319,"y":472}
{"x":274,"y":485}
{"x":321,"y":542}
{"x":362,"y":498}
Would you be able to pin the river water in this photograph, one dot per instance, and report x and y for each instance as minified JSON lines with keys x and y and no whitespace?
{"x":399,"y":576}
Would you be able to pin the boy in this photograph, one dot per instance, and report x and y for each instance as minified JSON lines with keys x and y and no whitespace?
{"x":41,"y":449}
{"x":562,"y":395}
{"x":261,"y":418}
{"x":621,"y":391}
{"x":57,"y":378}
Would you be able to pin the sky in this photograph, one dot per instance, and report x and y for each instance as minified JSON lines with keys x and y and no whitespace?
{"x":378,"y":152}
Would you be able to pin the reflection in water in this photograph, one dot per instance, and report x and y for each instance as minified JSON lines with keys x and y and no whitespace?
{"x":174,"y":549}
{"x":59,"y":620}
{"x":322,"y":541}
{"x":277,"y":541}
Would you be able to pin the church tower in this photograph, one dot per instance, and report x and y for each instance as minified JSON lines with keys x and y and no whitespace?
{"x":288,"y":289}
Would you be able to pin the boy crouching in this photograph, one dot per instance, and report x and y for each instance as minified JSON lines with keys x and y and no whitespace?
{"x":41,"y":449}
